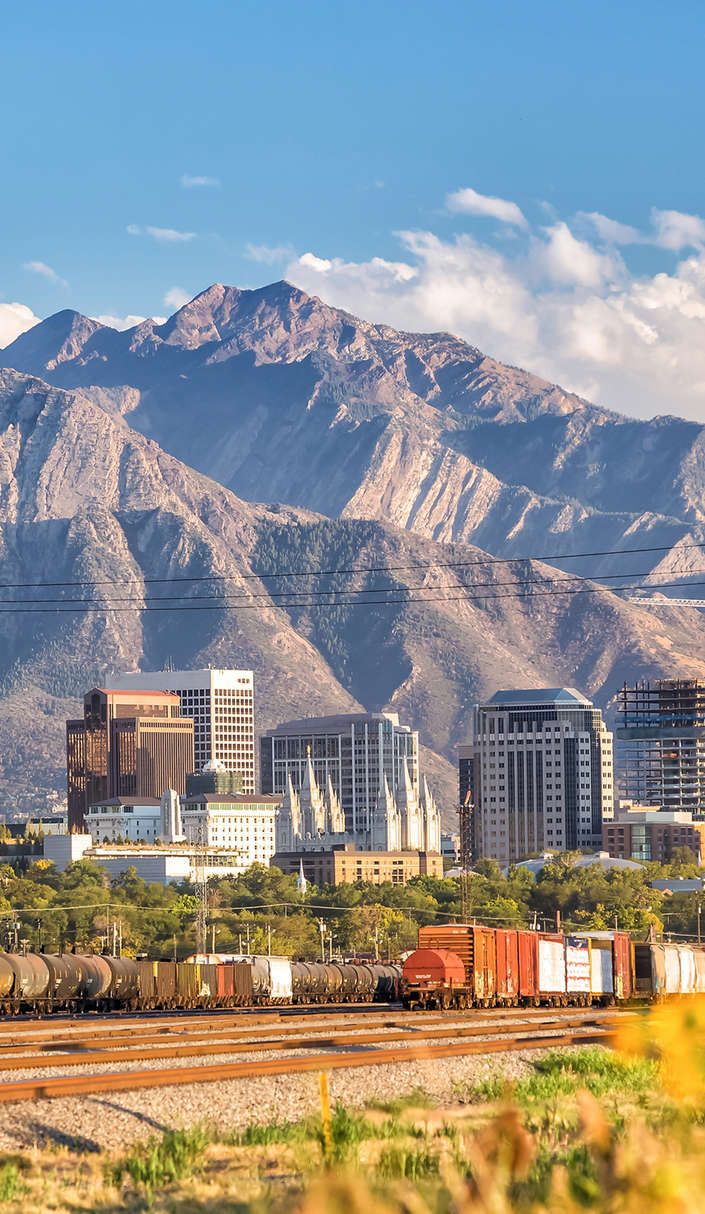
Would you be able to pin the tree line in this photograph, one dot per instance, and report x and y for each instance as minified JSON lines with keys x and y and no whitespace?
{"x":264,"y":909}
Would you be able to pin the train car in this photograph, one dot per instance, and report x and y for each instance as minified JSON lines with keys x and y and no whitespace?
{"x":244,"y":982}
{"x":66,"y":979}
{"x":551,"y":976}
{"x":125,"y":984}
{"x":386,"y":979}
{"x":508,"y":967}
{"x":225,"y":984}
{"x":578,"y":973}
{"x":7,"y":981}
{"x":475,"y":945}
{"x":434,"y":977}
{"x":97,"y":980}
{"x":280,"y":987}
{"x":507,"y":972}
{"x":527,"y":949}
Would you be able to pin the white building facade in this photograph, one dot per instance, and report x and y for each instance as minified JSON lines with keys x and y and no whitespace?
{"x":245,"y":824}
{"x":312,"y":818}
{"x":221,"y":705}
{"x":356,"y":752}
{"x":124,"y":819}
{"x":542,"y":773}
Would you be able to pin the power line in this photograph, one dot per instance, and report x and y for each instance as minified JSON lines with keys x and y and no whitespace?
{"x":279,"y":594}
{"x":222,"y":603}
{"x":259,"y":575}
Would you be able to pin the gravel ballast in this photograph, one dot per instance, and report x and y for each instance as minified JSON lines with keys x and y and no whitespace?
{"x":114,"y":1120}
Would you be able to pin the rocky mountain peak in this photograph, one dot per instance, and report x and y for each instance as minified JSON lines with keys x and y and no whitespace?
{"x":56,"y":340}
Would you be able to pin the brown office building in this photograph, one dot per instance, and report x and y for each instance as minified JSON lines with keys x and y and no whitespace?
{"x":128,"y":744}
{"x":344,"y":865}
{"x":646,"y":833}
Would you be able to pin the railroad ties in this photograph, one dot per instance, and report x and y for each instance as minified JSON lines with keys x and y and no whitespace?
{"x":293,"y":1044}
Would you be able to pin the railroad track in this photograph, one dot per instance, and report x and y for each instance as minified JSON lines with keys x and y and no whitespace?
{"x":82,"y":1085}
{"x":331,"y":1037}
{"x":55,"y":1038}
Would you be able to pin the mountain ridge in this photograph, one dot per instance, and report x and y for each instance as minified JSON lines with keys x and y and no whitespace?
{"x":271,"y":396}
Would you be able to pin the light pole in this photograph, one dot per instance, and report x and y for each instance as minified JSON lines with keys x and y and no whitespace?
{"x":322,"y":930}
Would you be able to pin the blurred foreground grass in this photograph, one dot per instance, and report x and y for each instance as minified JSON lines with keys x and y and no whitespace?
{"x":619,"y":1132}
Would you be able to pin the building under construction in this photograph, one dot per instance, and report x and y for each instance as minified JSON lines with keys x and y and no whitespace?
{"x":466,"y":804}
{"x":661,"y":740}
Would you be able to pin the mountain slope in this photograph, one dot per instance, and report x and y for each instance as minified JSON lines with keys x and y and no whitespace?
{"x":92,"y":510}
{"x":281,"y":397}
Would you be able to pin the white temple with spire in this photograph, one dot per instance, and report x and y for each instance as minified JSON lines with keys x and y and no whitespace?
{"x":313,"y":819}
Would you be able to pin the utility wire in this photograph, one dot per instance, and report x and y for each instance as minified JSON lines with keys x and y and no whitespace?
{"x":262,"y":574}
{"x":222,"y":603}
{"x":279,"y":594}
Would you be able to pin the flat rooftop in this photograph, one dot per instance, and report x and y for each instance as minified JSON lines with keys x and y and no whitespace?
{"x":338,"y":723}
{"x":539,"y":697}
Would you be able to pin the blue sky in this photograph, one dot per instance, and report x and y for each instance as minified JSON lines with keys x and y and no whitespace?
{"x":327,"y":129}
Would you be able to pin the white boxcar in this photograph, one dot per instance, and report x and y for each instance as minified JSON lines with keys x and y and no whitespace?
{"x":686,"y":957}
{"x":601,"y":971}
{"x":551,"y":966}
{"x":672,"y":984}
{"x":699,"y":955}
{"x":280,"y":979}
{"x":577,"y":965}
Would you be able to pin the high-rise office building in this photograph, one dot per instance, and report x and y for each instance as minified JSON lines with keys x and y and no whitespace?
{"x":661,"y":744}
{"x":542,"y":773}
{"x":128,"y":743}
{"x":354,"y":751}
{"x":221,"y":705}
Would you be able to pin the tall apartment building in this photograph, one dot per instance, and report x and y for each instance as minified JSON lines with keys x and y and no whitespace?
{"x":661,"y":744}
{"x":354,"y":751}
{"x":127,"y":744}
{"x":542,"y":773}
{"x":221,"y":705}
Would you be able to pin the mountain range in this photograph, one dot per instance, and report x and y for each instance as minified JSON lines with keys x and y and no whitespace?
{"x":263,"y":432}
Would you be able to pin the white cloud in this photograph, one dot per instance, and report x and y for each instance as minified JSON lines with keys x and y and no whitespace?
{"x":567,"y":261}
{"x":468,"y":202}
{"x":46,"y":271}
{"x":567,"y":308}
{"x":15,"y":318}
{"x":176,"y":297}
{"x":163,"y":235}
{"x":123,"y":322}
{"x":611,"y":231}
{"x":190,"y":182}
{"x":675,"y":230}
{"x":268,"y":254}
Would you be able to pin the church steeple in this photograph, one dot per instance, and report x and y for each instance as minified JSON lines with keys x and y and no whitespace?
{"x":408,"y":805}
{"x":335,"y":818}
{"x":431,"y":820}
{"x":313,"y":810}
{"x":288,"y":823}
{"x":385,"y":834}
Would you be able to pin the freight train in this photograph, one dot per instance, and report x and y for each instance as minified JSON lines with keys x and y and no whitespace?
{"x":72,"y":982}
{"x":469,"y":965}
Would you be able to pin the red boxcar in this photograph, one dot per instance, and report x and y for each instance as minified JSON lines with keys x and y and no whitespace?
{"x":475,"y":946}
{"x":507,"y":953}
{"x":622,"y":959}
{"x":225,"y":976}
{"x":528,"y":966}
